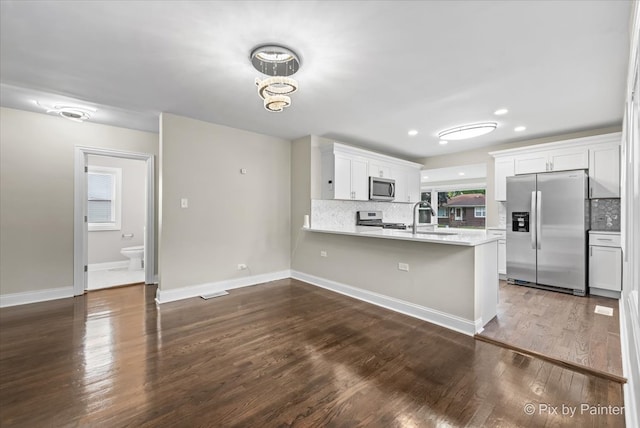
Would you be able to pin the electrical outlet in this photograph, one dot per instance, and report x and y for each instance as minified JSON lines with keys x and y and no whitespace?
{"x":323,"y":254}
{"x":242,"y":266}
{"x":403,"y":266}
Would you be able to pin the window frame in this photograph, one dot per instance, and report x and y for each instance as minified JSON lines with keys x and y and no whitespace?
{"x":475,"y":212}
{"x":116,"y":208}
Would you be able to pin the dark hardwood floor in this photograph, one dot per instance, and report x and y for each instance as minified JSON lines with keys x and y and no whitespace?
{"x":559,"y":326}
{"x":283,"y":353}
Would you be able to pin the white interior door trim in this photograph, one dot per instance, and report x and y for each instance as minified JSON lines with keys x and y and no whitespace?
{"x":80,"y":230}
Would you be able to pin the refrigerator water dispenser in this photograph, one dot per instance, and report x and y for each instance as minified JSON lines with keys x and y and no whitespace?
{"x":520,"y":221}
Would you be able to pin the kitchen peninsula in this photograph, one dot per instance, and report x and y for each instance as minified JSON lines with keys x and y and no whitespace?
{"x":448,"y":279}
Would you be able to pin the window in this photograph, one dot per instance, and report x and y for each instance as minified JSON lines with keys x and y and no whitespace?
{"x":479,"y":212}
{"x":442,"y":212}
{"x":458,"y":215}
{"x":103,"y":202}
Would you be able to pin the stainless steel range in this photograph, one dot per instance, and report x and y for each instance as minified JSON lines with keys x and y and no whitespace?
{"x":374,"y":219}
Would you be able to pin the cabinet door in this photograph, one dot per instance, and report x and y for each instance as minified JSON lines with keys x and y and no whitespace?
{"x":527,"y":164}
{"x":360,"y":179}
{"x":604,"y":172}
{"x":342,"y":178}
{"x":413,"y":185}
{"x":402,"y":188}
{"x":568,"y":159}
{"x":503,"y":169}
{"x":605,"y":268}
{"x":502,"y":257}
{"x":377,"y":169}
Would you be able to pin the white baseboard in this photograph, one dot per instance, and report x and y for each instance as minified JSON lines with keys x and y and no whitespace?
{"x":604,"y":293}
{"x":108,"y":265}
{"x":433,"y":316}
{"x":26,"y":297}
{"x":632,"y":417}
{"x":164,"y":296}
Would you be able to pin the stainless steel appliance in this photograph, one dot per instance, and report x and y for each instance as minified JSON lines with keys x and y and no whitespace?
{"x":374,"y":218}
{"x":547,"y":220}
{"x":382,"y":189}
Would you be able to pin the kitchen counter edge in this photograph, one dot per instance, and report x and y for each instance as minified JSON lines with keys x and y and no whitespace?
{"x":470,"y":239}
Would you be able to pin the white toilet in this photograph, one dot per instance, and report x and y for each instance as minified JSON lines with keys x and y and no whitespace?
{"x":135,"y":256}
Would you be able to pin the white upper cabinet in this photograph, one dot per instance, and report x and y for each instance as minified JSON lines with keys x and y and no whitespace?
{"x":345,"y":172}
{"x":600,"y":155}
{"x":407,"y":184}
{"x":378,"y":169}
{"x":552,"y":160}
{"x":503,"y":168}
{"x":350,"y":179}
{"x":604,"y":172}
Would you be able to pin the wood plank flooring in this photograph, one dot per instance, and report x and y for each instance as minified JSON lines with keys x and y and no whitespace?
{"x":560,"y":326}
{"x":283,"y":353}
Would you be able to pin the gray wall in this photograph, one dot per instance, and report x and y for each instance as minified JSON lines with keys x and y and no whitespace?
{"x":105,"y":245}
{"x":482,"y":156}
{"x":232,"y":217}
{"x":36,"y":193}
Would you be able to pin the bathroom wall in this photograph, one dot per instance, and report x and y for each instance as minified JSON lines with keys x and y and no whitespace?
{"x":105,"y":245}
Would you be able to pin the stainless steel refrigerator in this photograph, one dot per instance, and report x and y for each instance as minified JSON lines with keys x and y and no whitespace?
{"x":547,"y":218}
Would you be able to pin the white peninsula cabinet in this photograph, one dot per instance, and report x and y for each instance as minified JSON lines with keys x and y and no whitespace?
{"x":599,"y":155}
{"x":346,"y":170}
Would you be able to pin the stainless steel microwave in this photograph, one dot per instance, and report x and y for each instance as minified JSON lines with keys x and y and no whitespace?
{"x":382,"y":189}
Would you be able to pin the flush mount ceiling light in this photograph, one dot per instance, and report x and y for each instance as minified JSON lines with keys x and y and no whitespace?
{"x":278,"y":63}
{"x":467,"y":131}
{"x":74,"y":113}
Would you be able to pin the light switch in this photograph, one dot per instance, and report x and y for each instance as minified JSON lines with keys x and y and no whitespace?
{"x":184,"y":203}
{"x":243,"y":170}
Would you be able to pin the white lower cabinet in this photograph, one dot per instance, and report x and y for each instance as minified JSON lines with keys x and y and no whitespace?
{"x":502,"y":249}
{"x":605,"y":265}
{"x":502,"y":257}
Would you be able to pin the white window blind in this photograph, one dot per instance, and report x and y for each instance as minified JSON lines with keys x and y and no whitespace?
{"x":103,"y":198}
{"x":101,"y":205}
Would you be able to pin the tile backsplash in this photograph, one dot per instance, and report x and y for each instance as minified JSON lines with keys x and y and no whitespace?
{"x":605,"y":214}
{"x":332,"y":213}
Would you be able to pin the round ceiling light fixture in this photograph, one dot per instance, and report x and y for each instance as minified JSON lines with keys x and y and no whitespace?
{"x":74,"y":113}
{"x":278,"y":64}
{"x":275,"y":60}
{"x":467,"y":131}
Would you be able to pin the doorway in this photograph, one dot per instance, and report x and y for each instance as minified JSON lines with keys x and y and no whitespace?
{"x":100,"y":212}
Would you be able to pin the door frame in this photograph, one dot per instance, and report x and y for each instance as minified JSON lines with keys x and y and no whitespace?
{"x":80,"y":226}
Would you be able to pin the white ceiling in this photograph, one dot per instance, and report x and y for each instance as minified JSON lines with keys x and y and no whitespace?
{"x":370,"y":70}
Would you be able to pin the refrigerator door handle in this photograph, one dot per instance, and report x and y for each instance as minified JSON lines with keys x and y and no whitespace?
{"x":539,"y":219}
{"x":533,"y":223}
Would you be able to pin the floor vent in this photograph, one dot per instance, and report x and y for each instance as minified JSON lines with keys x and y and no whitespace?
{"x":215,"y":294}
{"x":603,"y":310}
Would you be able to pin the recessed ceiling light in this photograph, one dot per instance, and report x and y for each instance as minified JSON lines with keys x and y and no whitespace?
{"x":443,"y":142}
{"x":412,"y":133}
{"x":461,"y":173}
{"x":501,"y":111}
{"x":519,"y":128}
{"x":426,"y":177}
{"x":467,"y":131}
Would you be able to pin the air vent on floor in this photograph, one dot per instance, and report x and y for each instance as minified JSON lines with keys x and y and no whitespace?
{"x":603,"y":310}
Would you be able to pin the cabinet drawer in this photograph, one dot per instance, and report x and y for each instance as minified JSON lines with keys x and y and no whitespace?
{"x":604,"y":239}
{"x":501,"y":233}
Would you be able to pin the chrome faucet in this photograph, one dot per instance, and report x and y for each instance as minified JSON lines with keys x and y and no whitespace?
{"x":415,"y":218}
